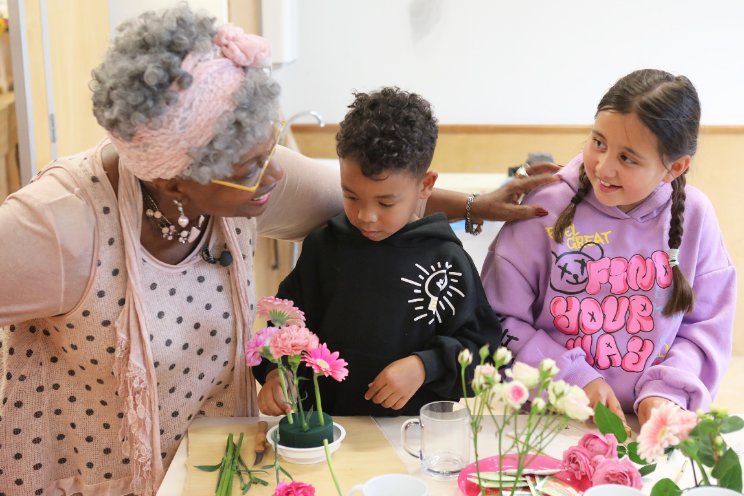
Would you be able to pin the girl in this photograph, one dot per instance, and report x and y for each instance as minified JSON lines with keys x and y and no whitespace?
{"x":626,"y":283}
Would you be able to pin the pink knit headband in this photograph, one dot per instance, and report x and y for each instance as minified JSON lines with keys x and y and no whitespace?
{"x":189,"y":123}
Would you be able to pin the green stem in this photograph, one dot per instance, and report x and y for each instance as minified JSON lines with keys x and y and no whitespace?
{"x":317,"y":400}
{"x":226,"y":470}
{"x":330,"y":466}
{"x":706,"y":481}
{"x":285,"y":390}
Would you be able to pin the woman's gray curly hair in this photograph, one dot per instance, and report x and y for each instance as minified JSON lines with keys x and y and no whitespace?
{"x":132,"y":87}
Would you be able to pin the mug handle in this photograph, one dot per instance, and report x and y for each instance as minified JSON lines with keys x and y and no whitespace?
{"x":404,"y":436}
{"x":359,"y":488}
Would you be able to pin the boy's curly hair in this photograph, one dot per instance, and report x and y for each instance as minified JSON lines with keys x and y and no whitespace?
{"x":388,"y":129}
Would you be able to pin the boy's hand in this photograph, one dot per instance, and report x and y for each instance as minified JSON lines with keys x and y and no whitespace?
{"x":271,"y":399}
{"x":394,"y":386}
{"x":598,"y":391}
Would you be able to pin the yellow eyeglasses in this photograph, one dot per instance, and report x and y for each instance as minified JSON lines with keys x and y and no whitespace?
{"x":253,"y":179}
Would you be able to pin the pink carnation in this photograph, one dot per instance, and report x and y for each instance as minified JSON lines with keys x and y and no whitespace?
{"x":254,"y":345}
{"x":578,"y":461}
{"x":598,"y":444}
{"x":322,"y":361}
{"x":294,"y":488}
{"x":292,"y":340}
{"x":614,"y":471}
{"x":280,"y":312}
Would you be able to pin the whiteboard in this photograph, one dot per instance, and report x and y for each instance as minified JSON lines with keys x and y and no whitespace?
{"x":516,"y":61}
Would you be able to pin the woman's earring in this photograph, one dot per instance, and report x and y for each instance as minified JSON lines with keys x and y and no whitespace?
{"x":183,"y":221}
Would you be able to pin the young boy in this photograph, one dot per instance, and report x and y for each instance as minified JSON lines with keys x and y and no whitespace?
{"x":395,"y":294}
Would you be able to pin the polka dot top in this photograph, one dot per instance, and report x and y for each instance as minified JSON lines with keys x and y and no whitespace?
{"x":60,"y":416}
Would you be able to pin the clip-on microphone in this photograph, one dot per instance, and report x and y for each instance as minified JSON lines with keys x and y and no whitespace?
{"x":224,"y":260}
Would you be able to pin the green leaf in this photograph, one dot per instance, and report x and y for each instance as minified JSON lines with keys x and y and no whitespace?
{"x":728,"y":471}
{"x":633,"y":454}
{"x":731,"y":424}
{"x":621,"y":450}
{"x":282,"y":470}
{"x":705,"y":427}
{"x":609,"y":423}
{"x":705,"y":452}
{"x":647,"y":469}
{"x":666,"y":487}
{"x":208,"y":468}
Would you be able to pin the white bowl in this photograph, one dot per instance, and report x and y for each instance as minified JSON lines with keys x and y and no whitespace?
{"x":305,"y":456}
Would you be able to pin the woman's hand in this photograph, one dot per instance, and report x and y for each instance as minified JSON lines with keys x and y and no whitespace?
{"x":271,"y":399}
{"x":647,"y":405}
{"x":504,"y":203}
{"x":598,"y":391}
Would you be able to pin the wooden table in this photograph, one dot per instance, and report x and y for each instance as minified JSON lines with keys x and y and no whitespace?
{"x":173,"y":484}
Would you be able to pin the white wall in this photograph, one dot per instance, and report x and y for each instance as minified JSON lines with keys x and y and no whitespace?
{"x":513,"y":61}
{"x":120,"y":10}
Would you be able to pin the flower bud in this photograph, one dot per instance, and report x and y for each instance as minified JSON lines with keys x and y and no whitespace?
{"x":465,"y":357}
{"x":502,"y":356}
{"x":538,"y":405}
{"x":548,"y":367}
{"x":483,"y":352}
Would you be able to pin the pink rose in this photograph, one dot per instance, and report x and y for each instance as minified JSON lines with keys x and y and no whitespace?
{"x":578,"y":461}
{"x":294,"y":488}
{"x":243,"y":49}
{"x":614,"y":471}
{"x":598,"y":444}
{"x":292,"y":340}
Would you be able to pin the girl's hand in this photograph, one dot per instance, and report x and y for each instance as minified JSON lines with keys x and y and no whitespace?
{"x":271,"y":399}
{"x":394,"y":386}
{"x":647,"y":405}
{"x":599,"y":391}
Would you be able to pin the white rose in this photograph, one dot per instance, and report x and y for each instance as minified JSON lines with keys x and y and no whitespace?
{"x":575,"y":404}
{"x":484,"y":377}
{"x":526,"y":374}
{"x":515,"y":394}
{"x":538,"y":404}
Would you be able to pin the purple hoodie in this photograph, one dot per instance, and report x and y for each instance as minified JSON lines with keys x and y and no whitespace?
{"x":594,"y":302}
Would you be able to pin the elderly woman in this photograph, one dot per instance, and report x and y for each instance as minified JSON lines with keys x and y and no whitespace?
{"x":127,"y":269}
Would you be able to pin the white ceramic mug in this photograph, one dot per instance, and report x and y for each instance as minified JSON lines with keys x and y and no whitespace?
{"x":391,"y":485}
{"x":709,"y":491}
{"x":613,"y":490}
{"x":445,"y":438}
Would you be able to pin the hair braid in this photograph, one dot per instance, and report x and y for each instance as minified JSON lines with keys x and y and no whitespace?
{"x":566,"y":217}
{"x":682,"y":298}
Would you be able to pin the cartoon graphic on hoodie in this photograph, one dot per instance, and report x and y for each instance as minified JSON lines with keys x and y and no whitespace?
{"x":594,"y":302}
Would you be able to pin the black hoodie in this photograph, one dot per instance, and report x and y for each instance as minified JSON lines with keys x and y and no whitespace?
{"x":416,"y":292}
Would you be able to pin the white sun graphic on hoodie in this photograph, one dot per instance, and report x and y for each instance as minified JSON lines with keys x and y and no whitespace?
{"x":434,"y":290}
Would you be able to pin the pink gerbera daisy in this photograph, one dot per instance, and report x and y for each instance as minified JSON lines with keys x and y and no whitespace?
{"x":280,"y":312}
{"x":325,"y":362}
{"x":659,"y":432}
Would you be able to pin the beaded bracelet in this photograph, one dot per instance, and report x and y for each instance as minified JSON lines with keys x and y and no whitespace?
{"x":471,"y":227}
